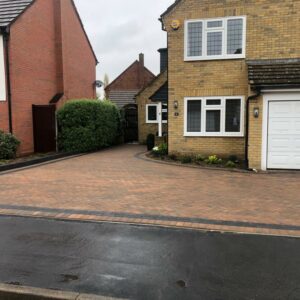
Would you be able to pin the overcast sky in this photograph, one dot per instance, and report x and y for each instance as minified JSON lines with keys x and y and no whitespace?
{"x":121,"y":29}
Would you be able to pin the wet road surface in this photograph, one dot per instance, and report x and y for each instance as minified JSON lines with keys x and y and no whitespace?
{"x":147,"y":262}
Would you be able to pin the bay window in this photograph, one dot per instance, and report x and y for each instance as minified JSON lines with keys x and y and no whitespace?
{"x":222,"y":38}
{"x":214,"y":116}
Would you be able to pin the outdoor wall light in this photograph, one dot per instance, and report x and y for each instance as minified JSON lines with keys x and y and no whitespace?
{"x":256,"y":112}
{"x":176,"y":104}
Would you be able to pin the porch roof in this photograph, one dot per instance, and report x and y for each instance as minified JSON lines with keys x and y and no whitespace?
{"x":162,"y":94}
{"x":274,"y":73}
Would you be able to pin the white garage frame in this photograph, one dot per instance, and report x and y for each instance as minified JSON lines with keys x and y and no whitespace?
{"x":273,"y":95}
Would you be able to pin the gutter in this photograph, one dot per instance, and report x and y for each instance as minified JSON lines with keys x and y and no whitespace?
{"x":5,"y":32}
{"x":258,"y":93}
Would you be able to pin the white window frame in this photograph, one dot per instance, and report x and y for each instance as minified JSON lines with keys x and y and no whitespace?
{"x":2,"y":72}
{"x":222,"y":108}
{"x":157,"y":114}
{"x":206,"y":30}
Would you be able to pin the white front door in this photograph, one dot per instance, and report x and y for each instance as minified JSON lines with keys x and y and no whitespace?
{"x":283,"y":145}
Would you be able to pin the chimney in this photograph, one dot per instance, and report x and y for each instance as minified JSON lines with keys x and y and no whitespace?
{"x":141,"y":78}
{"x":163,"y":59}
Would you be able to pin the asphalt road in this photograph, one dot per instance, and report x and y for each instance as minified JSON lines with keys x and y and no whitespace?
{"x":146,"y":262}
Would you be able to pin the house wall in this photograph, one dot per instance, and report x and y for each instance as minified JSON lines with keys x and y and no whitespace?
{"x":271,"y":33}
{"x":143,"y":99}
{"x":42,"y":64}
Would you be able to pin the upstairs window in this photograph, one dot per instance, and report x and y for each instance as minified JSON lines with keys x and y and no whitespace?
{"x":223,"y":38}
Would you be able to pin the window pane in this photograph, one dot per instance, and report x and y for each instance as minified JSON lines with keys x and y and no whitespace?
{"x":194,"y":39}
{"x":213,"y":102}
{"x":233,"y":115}
{"x":165,"y":115}
{"x":235,"y":36}
{"x":214,"y":24}
{"x":214,"y":43}
{"x":213,"y":121}
{"x":194,"y":116}
{"x":152,"y":113}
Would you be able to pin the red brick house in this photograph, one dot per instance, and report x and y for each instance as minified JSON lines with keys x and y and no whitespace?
{"x":123,"y":89}
{"x":45,"y":59}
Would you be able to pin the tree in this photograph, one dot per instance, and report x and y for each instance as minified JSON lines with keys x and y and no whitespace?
{"x":105,"y":83}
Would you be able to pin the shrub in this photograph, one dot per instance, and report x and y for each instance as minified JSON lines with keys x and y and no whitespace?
{"x":87,"y":125}
{"x":213,"y":160}
{"x":161,"y":150}
{"x":199,"y":158}
{"x":230,"y":164}
{"x":8,"y":145}
{"x":233,"y":158}
{"x":186,"y":159}
{"x":150,"y":142}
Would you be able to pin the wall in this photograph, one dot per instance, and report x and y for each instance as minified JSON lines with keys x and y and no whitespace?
{"x":271,"y":33}
{"x":47,"y":58}
{"x":143,"y":99}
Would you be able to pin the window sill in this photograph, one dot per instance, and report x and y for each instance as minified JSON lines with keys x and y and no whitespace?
{"x":235,"y":57}
{"x":216,"y":135}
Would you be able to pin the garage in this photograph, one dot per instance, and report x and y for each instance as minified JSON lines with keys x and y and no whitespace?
{"x":283,"y":132}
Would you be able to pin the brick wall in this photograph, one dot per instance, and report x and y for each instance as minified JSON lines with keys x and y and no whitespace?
{"x":134,"y":78}
{"x":143,"y":99}
{"x":271,"y":33}
{"x":36,"y":65}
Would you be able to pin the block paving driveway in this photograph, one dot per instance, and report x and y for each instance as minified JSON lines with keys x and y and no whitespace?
{"x":121,"y":185}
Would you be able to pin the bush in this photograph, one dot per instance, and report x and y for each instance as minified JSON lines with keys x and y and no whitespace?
{"x":186,"y":159}
{"x":233,"y":158}
{"x":87,"y":125}
{"x":161,"y":150}
{"x":230,"y":164}
{"x":8,"y":145}
{"x":150,"y":142}
{"x":199,"y":158}
{"x":213,"y":160}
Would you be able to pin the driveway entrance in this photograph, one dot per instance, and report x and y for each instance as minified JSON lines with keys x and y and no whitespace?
{"x":120,"y":186}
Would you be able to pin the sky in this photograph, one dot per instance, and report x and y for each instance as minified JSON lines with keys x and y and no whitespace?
{"x":121,"y":29}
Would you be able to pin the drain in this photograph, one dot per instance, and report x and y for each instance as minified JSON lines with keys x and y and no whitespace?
{"x":182,"y":284}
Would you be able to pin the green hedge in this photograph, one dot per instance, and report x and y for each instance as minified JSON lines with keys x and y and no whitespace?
{"x":8,"y":145}
{"x":87,"y":125}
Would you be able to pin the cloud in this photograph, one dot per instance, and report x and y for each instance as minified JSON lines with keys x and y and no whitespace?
{"x":119,"y":30}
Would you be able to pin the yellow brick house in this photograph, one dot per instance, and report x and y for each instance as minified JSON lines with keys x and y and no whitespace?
{"x":234,"y":80}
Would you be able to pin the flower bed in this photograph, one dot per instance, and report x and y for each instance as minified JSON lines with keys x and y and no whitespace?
{"x":161,"y":153}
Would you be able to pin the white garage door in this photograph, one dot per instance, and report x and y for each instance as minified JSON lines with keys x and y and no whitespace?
{"x":284,"y":135}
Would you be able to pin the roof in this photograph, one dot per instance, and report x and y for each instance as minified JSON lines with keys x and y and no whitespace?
{"x":122,"y":98}
{"x":11,"y":10}
{"x":274,"y":72}
{"x":127,"y":69}
{"x":162,"y":94}
{"x":170,"y":8}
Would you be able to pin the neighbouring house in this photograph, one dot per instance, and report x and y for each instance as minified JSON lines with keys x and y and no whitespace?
{"x":152,"y":104}
{"x":123,"y":90}
{"x":234,"y":80}
{"x":45,"y":59}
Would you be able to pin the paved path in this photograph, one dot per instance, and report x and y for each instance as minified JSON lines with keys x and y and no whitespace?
{"x":148,"y":263}
{"x":116,"y":185}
